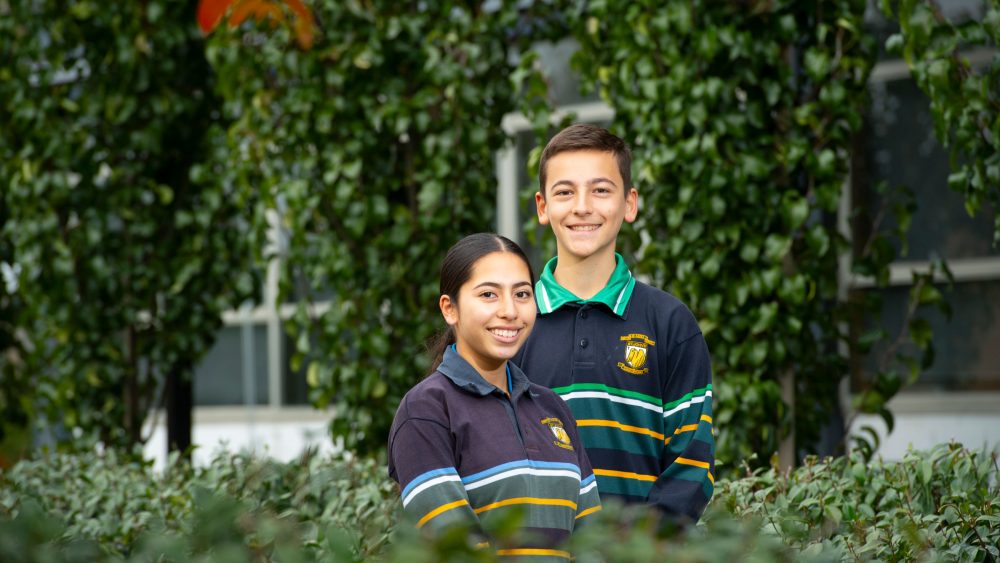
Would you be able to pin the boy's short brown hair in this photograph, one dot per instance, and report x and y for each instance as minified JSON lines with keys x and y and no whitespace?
{"x":586,"y":137}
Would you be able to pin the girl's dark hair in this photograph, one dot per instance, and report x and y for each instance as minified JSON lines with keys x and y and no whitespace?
{"x":456,"y":269}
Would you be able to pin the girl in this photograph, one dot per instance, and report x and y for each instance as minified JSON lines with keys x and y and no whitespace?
{"x":475,"y":439}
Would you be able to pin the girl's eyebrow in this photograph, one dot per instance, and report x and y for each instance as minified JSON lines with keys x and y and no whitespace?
{"x":498,"y":286}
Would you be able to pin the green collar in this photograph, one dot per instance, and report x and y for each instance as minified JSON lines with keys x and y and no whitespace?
{"x":550,"y":295}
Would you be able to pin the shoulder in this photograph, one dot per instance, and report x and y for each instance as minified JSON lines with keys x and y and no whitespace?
{"x":427,"y":398}
{"x":668,"y":313}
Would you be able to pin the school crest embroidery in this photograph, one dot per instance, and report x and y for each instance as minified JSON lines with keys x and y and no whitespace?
{"x":562,"y":438}
{"x":636,"y":348}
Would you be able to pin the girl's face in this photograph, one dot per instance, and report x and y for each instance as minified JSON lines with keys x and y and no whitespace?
{"x":495,"y":311}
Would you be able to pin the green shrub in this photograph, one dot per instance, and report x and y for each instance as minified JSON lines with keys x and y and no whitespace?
{"x":938,"y":505}
{"x":112,"y":499}
{"x":943,"y":504}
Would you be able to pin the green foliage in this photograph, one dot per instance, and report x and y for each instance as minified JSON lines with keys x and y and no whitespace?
{"x":125,"y":258}
{"x":964,"y":99}
{"x":741,"y":117}
{"x":334,"y":504}
{"x":374,"y":153}
{"x":941,"y":505}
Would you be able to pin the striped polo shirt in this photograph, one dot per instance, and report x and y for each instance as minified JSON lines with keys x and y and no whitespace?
{"x":463,"y":451}
{"x":634,"y":368}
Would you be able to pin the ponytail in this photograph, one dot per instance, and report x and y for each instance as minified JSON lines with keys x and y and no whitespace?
{"x":438,"y":345}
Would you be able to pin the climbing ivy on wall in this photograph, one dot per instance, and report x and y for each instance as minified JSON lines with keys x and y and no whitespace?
{"x":742,"y":115}
{"x":120,"y":258}
{"x":374,"y":152}
{"x":964,"y":99}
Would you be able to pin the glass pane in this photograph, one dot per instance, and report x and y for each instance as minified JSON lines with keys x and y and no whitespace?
{"x":901,"y":150}
{"x":218,"y":379}
{"x":967,"y":347}
{"x":295,"y":389}
{"x":954,"y":10}
{"x":564,"y":82}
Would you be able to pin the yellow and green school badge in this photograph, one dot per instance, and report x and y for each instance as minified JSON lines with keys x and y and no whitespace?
{"x":636,"y":349}
{"x":562,"y":438}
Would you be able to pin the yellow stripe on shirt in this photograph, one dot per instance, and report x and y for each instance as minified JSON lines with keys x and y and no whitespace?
{"x":619,"y":426}
{"x":534,"y":551}
{"x":624,"y":474}
{"x":527,"y":500}
{"x":696,"y":463}
{"x":441,"y":510}
{"x":590,"y":510}
{"x":692,"y":462}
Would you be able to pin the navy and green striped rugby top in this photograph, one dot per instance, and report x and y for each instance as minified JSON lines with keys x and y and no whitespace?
{"x":634,"y":368}
{"x":462,"y":451}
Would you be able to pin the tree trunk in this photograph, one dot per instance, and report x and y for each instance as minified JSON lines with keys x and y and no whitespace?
{"x":786,"y":450}
{"x":180,"y":400}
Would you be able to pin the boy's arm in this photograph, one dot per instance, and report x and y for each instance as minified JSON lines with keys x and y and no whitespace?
{"x":421,"y":460}
{"x":688,"y":480}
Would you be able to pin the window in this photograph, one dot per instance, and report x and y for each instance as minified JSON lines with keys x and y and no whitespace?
{"x":898,"y":147}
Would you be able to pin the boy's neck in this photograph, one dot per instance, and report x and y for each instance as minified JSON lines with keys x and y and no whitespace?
{"x":584,"y":278}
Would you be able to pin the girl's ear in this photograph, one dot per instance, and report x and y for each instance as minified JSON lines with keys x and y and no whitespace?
{"x":449,"y":310}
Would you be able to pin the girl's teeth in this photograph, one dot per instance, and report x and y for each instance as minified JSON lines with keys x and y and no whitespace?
{"x":505,"y":333}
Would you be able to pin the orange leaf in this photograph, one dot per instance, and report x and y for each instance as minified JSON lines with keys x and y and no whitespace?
{"x":305,"y":25}
{"x":210,"y":13}
{"x":259,"y":9}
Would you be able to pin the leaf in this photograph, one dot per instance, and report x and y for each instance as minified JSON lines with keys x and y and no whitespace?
{"x":926,"y":471}
{"x":210,"y":13}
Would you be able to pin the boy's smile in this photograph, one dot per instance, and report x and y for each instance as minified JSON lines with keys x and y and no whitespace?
{"x":585,"y":203}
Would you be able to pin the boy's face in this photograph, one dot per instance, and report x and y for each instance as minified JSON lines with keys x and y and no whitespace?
{"x":585,"y":203}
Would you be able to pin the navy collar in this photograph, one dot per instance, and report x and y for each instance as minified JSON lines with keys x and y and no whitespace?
{"x":465,"y":377}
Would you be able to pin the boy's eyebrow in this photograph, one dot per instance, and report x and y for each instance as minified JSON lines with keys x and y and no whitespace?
{"x":591,"y":182}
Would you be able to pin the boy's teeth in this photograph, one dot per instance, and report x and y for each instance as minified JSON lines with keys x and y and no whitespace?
{"x":584,"y":227}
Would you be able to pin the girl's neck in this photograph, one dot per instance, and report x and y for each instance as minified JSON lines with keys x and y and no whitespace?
{"x":585,"y":278}
{"x":494,"y":374}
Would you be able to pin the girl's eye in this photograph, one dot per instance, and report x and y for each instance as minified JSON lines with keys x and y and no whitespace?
{"x":523,"y":294}
{"x":488,"y":295}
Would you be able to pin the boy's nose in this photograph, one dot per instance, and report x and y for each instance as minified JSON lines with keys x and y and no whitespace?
{"x":581,"y":203}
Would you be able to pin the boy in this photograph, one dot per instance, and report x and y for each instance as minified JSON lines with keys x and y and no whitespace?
{"x":628,"y":359}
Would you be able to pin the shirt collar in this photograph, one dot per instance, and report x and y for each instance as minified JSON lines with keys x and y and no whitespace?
{"x":465,"y":377}
{"x":615,"y":295}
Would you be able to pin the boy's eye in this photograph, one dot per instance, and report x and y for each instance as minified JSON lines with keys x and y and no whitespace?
{"x":602,"y":190}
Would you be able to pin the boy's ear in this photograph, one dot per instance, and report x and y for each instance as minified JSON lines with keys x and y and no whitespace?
{"x":631,"y":205}
{"x":543,"y":218}
{"x":449,"y":310}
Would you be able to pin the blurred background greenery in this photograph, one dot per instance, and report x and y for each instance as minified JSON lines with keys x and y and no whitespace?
{"x":234,"y":232}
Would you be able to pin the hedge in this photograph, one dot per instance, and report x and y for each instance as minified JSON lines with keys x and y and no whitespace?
{"x":943,"y":504}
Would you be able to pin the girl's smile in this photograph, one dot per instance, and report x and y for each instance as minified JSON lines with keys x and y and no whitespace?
{"x":493,"y":313}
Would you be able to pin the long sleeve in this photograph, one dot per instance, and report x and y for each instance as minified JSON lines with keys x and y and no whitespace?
{"x":421,"y":460}
{"x":589,"y":501}
{"x":687,"y":482}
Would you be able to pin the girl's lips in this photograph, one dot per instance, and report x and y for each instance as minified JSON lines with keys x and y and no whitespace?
{"x":505,"y":334}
